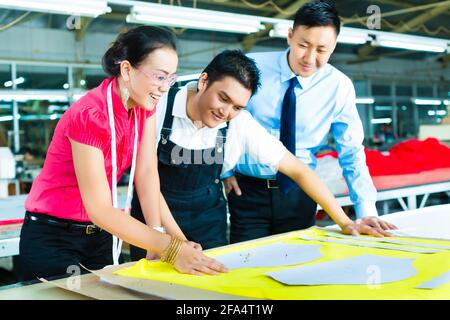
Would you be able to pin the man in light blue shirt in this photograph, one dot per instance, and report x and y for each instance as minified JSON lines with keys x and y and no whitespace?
{"x":324,"y":103}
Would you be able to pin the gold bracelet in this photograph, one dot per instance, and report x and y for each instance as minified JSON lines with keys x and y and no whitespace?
{"x":170,"y":254}
{"x":176,"y":250}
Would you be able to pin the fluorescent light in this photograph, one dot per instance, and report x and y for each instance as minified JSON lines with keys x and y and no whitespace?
{"x":89,"y":8}
{"x":6,"y":118}
{"x":9,"y":83}
{"x":174,"y":16}
{"x":438,"y":112}
{"x":446,"y":102}
{"x":353,"y":36}
{"x":188,"y":77}
{"x":383,"y":108}
{"x":365,"y":100}
{"x":410,"y":46}
{"x":381,"y":120}
{"x":427,"y":102}
{"x":26,"y":95}
{"x":281,"y":29}
{"x":53,"y":107}
{"x":352,"y":39}
{"x":410,"y":42}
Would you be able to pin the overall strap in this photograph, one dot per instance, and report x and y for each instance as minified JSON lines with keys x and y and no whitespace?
{"x":221,"y":137}
{"x":168,"y":118}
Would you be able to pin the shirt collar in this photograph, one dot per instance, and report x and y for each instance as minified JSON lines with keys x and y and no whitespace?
{"x":287,"y":74}
{"x":180,"y":103}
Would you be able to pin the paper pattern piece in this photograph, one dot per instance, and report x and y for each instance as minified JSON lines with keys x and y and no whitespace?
{"x":271,"y":255}
{"x":436,"y":282}
{"x":388,"y":240}
{"x":364,"y":270}
{"x":370,"y":245}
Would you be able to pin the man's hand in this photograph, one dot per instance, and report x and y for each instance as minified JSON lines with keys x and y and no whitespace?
{"x":232,"y":184}
{"x":377,"y":223}
{"x":358,"y":228}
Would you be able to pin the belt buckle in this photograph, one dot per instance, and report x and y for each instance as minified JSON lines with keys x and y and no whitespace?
{"x":90,"y":229}
{"x":269,"y":184}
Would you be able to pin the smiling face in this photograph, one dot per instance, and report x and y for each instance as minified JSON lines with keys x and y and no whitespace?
{"x":152,"y":78}
{"x":218,"y":102}
{"x":310,"y":48}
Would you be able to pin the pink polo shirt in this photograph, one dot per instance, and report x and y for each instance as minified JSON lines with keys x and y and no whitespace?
{"x":55,"y":191}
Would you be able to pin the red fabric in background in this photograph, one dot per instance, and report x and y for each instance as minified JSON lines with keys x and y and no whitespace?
{"x":14,"y":221}
{"x":412,"y":156}
{"x":409,"y":157}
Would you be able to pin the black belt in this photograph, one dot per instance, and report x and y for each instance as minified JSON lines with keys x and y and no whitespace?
{"x":267,"y":183}
{"x":85,"y":228}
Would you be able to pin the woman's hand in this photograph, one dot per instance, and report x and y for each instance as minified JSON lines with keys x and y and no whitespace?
{"x":152,"y":256}
{"x":195,"y":245}
{"x":192,"y":260}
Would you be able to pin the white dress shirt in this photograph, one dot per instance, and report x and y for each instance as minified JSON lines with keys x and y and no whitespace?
{"x":244,"y":135}
{"x":325,"y":104}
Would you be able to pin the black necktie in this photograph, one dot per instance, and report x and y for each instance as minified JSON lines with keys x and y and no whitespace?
{"x":287,"y":131}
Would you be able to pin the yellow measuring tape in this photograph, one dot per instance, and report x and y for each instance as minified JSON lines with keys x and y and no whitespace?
{"x":254,"y":283}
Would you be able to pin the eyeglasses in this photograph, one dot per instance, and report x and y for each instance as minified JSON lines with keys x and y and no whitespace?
{"x":160,"y":78}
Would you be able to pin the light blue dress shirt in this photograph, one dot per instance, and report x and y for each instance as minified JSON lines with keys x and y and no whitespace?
{"x":325,"y":103}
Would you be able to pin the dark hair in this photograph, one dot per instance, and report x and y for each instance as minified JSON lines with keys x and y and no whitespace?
{"x":318,"y":13}
{"x":234,"y":63}
{"x":135,"y":45}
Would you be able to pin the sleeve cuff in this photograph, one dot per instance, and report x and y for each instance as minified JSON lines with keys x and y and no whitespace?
{"x":365,"y":209}
{"x":227,"y":174}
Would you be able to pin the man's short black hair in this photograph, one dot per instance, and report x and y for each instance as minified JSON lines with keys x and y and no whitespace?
{"x":235,"y":64}
{"x":318,"y":13}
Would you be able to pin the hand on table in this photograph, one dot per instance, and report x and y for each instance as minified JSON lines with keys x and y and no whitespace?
{"x":376,"y":222}
{"x":191,"y":260}
{"x":358,"y":228}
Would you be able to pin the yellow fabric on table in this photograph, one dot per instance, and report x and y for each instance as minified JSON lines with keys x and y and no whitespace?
{"x":253,"y":282}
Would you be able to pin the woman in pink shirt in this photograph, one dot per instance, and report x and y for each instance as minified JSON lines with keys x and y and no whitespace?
{"x":71,"y":211}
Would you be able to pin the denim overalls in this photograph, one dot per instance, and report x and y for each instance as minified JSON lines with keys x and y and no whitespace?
{"x":190,"y":183}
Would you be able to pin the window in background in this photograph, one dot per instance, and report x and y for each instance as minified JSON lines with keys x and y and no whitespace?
{"x":381,"y":90}
{"x":406,"y":123}
{"x":404,"y":91}
{"x":425,"y":91}
{"x":40,"y":113}
{"x":87,"y":78}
